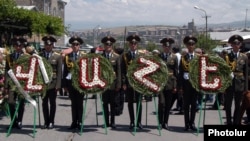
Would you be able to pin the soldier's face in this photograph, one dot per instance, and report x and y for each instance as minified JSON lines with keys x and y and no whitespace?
{"x":133,"y":46}
{"x":18,"y":48}
{"x":75,"y":47}
{"x":190,"y":47}
{"x":48,"y":47}
{"x":108,"y":47}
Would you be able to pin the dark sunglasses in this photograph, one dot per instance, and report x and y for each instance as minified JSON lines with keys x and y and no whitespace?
{"x":49,"y":44}
{"x":133,"y":43}
{"x":236,"y":43}
{"x":190,"y":44}
{"x":107,"y":44}
{"x":75,"y":44}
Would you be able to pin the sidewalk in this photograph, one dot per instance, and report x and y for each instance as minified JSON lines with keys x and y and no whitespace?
{"x":92,"y":132}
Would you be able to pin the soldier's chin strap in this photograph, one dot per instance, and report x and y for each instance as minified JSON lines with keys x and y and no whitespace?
{"x":21,"y":90}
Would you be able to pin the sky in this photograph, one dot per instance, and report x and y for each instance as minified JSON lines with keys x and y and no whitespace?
{"x":89,"y":14}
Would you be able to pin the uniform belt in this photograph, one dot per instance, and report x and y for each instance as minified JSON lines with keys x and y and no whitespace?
{"x":238,"y":73}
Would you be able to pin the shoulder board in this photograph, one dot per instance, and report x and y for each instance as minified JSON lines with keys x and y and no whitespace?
{"x":82,"y":52}
{"x":142,"y":51}
{"x":56,"y":53}
{"x":115,"y":54}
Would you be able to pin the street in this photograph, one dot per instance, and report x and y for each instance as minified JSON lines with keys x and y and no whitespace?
{"x":92,"y":132}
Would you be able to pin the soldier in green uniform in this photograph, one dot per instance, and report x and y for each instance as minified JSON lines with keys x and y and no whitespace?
{"x":131,"y":94}
{"x":239,"y":65}
{"x":165,"y":97}
{"x":75,"y":96}
{"x":189,"y":93}
{"x":18,"y":43}
{"x":49,"y":101}
{"x":109,"y":96}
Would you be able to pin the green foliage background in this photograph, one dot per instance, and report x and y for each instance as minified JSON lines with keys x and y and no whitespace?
{"x":22,"y":21}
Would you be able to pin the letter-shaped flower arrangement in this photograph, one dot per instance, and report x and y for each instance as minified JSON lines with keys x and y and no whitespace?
{"x":92,"y":74}
{"x":30,"y":72}
{"x":147,"y":74}
{"x":209,"y":74}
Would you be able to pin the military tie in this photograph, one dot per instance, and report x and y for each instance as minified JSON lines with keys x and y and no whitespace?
{"x":132,"y":54}
{"x":47,"y":56}
{"x":235,"y":55}
{"x":191,"y":56}
{"x":107,"y":56}
{"x":165,"y":56}
{"x":17,"y":55}
{"x":75,"y":56}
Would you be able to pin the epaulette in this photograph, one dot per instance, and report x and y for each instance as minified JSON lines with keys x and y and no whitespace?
{"x":57,"y":53}
{"x":82,"y":52}
{"x":114,"y":53}
{"x":142,"y":51}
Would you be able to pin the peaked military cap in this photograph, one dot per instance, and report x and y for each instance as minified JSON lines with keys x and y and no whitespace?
{"x":76,"y":39}
{"x":133,"y":38}
{"x":190,"y":39}
{"x":19,"y":41}
{"x":235,"y":39}
{"x":49,"y":39}
{"x":108,"y":40}
{"x":167,"y":41}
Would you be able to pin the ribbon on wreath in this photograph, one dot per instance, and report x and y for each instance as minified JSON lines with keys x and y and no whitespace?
{"x":21,"y":90}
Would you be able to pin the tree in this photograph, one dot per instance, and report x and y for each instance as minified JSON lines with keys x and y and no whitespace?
{"x":206,"y":44}
{"x":21,"y":21}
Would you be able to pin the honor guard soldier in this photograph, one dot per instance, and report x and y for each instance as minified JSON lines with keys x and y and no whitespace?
{"x":19,"y":43}
{"x":75,"y":96}
{"x":49,"y":101}
{"x":239,"y":65}
{"x":189,"y":93}
{"x":130,"y":93}
{"x":110,"y":95}
{"x":165,"y":97}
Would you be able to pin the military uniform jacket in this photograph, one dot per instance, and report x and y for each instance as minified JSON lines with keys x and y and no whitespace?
{"x":126,"y":59}
{"x":172,"y":64}
{"x":68,"y":63}
{"x":184,"y":69}
{"x":240,"y":70}
{"x":115,"y":61}
{"x":56,"y":62}
{"x":10,"y":59}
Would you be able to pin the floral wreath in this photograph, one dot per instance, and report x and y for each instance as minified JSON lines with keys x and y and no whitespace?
{"x":92,"y":74}
{"x":147,"y":74}
{"x":30,"y":74}
{"x":209,"y":74}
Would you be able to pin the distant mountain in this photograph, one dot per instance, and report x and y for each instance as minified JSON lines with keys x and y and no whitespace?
{"x":236,"y":24}
{"x":225,"y":25}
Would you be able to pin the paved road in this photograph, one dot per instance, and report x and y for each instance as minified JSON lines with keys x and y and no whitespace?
{"x":92,"y":132}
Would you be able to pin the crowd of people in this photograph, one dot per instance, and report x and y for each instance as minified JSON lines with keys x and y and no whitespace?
{"x":178,"y":88}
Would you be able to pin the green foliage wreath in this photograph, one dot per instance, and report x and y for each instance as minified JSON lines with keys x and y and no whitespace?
{"x":106,"y":74}
{"x":224,"y":72}
{"x":159,"y":77}
{"x":24,"y":62}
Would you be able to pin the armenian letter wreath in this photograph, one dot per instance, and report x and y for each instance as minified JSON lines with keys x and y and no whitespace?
{"x":92,"y":74}
{"x":147,"y":74}
{"x":209,"y":75}
{"x":30,"y":75}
